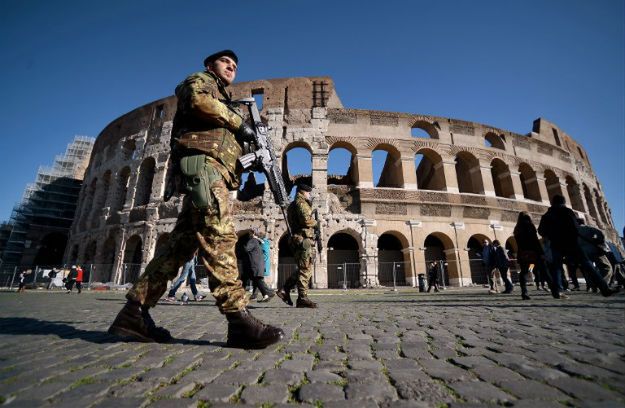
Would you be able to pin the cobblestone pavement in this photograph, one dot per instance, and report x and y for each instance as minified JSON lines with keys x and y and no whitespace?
{"x":359,"y":348}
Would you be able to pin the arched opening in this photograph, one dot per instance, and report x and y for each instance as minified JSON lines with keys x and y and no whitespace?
{"x":591,"y":205}
{"x":103,"y":192}
{"x":144,"y":184}
{"x":87,"y":203}
{"x":297,"y":166}
{"x":128,"y":149}
{"x":529,"y":182}
{"x":469,"y":174}
{"x":342,"y":165}
{"x":51,"y":249}
{"x":393,"y":264}
{"x":132,"y":259}
{"x":600,"y":209}
{"x":556,"y":137}
{"x":479,"y":274}
{"x":502,"y":180}
{"x":387,"y":167}
{"x":494,"y":140}
{"x":423,"y":129}
{"x":343,"y":261}
{"x":439,"y":247}
{"x":552,"y":183}
{"x":252,"y":186}
{"x":574,"y":194}
{"x":122,"y":189}
{"x":286,"y":261}
{"x":104,"y":271}
{"x":430,"y":172}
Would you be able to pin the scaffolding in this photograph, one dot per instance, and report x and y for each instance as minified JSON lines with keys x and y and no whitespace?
{"x":50,"y":201}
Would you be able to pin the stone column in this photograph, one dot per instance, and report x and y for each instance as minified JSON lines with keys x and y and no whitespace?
{"x":542,"y":187}
{"x":565,"y":193}
{"x":320,"y":171}
{"x":516,"y":185}
{"x":409,"y":173}
{"x":369,"y":256}
{"x":487,"y":180}
{"x":451,"y":179}
{"x":365,"y":171}
{"x":158,"y":182}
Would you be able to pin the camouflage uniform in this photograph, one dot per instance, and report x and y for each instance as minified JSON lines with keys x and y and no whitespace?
{"x":203,"y":130}
{"x":302,"y":243}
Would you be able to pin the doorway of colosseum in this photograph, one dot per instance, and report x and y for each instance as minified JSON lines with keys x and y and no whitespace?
{"x":502,"y":180}
{"x":297,"y":166}
{"x":286,"y":261}
{"x":342,"y":165}
{"x":553,"y":184}
{"x":343,"y":261}
{"x":479,"y":274}
{"x":393,"y":260}
{"x":104,"y":270}
{"x":387,"y":167}
{"x":439,"y":247}
{"x":469,"y":174}
{"x":430,"y":173}
{"x":132,"y":260}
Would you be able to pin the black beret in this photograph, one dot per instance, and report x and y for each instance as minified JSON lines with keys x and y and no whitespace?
{"x":304,"y":187}
{"x":227,"y":53}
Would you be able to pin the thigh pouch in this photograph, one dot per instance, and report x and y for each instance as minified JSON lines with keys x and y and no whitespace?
{"x":198,"y":176}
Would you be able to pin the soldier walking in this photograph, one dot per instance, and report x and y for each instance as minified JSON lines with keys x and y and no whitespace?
{"x":206,"y":142}
{"x":302,"y":243}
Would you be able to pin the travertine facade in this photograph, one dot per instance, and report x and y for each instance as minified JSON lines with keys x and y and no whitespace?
{"x":445,"y":185}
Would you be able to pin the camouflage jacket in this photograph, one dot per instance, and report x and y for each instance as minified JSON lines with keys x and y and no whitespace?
{"x":301,"y":218}
{"x":204,"y":124}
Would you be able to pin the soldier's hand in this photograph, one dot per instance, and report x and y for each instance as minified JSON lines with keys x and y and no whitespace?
{"x":245,"y":133}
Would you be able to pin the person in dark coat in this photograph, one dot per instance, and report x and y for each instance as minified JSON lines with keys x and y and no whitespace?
{"x":254,"y":265}
{"x":559,"y":226}
{"x":433,"y":276}
{"x":502,"y":263}
{"x":488,"y":262}
{"x":530,"y":252}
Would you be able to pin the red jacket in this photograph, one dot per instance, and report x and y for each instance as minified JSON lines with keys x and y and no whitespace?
{"x":78,"y":274}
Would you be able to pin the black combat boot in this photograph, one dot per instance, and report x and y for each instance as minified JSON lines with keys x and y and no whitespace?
{"x":305,"y":302}
{"x":134,"y":321}
{"x":285,"y":295}
{"x":246,"y":331}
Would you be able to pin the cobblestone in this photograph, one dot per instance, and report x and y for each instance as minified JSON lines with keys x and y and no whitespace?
{"x":368,"y":348}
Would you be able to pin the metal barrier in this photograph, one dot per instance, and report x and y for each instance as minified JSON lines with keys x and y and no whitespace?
{"x":344,"y":276}
{"x":393,"y":273}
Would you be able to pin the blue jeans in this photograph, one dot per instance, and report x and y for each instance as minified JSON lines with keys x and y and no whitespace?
{"x":187,"y":270}
{"x":579,"y":257}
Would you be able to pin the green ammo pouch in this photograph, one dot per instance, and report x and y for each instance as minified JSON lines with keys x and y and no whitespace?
{"x":198,"y":178}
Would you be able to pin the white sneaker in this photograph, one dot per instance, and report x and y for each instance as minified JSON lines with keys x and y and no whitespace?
{"x":198,"y":298}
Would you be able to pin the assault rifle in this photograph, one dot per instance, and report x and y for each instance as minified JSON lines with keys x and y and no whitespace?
{"x":263,"y":158}
{"x":318,"y":232}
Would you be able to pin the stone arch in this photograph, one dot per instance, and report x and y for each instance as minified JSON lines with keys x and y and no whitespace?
{"x":51,"y":249}
{"x":440,"y":247}
{"x":104,"y":270}
{"x":143,"y":190}
{"x":574,"y":194}
{"x":122,"y":189}
{"x":469,"y":174}
{"x":297,"y":159}
{"x":599,"y":204}
{"x":339,"y":152}
{"x":393,"y":258}
{"x":552,"y":182}
{"x":425,"y":126}
{"x":133,"y":258}
{"x":529,"y":182}
{"x":392,"y":173}
{"x":343,"y":259}
{"x":479,"y":274}
{"x":590,"y":203}
{"x":430,"y":172}
{"x":502,"y":179}
{"x":491,"y":139}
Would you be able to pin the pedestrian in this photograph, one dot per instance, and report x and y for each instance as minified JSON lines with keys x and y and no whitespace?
{"x":559,"y":228}
{"x":22,"y":278}
{"x":71,"y":279}
{"x":188,"y":271}
{"x":51,"y":275}
{"x":206,"y":141}
{"x":502,"y":263}
{"x":592,"y":241}
{"x":254,"y":264}
{"x":433,"y":276}
{"x":302,"y":243}
{"x":488,"y":262}
{"x":79,"y":278}
{"x":530,"y":252}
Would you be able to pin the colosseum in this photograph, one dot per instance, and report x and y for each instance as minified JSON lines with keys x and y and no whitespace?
{"x":445,"y":186}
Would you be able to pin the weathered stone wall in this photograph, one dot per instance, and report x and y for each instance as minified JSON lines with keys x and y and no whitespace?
{"x":471,"y":182}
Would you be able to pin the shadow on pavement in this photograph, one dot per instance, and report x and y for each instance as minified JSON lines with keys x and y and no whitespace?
{"x":22,"y":326}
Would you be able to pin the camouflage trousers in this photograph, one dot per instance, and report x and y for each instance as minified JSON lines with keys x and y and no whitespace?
{"x":212,"y":231}
{"x":304,"y":252}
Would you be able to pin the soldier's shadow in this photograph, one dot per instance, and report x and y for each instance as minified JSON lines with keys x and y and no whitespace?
{"x":22,"y":326}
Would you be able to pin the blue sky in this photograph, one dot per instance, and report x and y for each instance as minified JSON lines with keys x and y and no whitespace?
{"x":70,"y":67}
